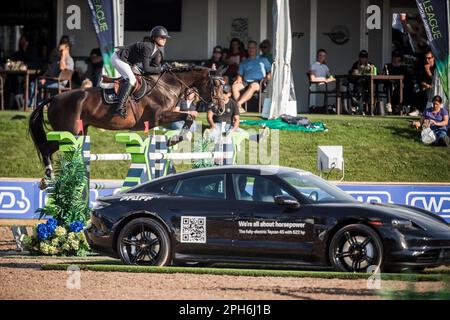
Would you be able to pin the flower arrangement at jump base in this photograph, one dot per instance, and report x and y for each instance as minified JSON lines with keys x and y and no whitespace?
{"x":62,"y":234}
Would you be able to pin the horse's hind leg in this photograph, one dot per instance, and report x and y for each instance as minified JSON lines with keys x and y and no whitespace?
{"x":52,"y":147}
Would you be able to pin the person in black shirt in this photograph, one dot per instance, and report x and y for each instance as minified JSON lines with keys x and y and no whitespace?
{"x":95,"y":67}
{"x":396,"y":67}
{"x":425,"y":79}
{"x":149,"y":54}
{"x":230,"y":117}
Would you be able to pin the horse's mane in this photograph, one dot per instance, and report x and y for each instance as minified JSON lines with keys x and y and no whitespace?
{"x":186,"y":67}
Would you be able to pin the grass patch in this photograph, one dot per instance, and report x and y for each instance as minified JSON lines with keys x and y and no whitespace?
{"x":247,"y":272}
{"x":383,"y":149}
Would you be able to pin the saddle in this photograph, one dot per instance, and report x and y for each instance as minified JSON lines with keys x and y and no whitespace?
{"x":111,"y":87}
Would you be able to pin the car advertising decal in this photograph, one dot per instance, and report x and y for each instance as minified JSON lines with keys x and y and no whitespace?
{"x":136,"y":198}
{"x":193,"y":229}
{"x":271,"y":228}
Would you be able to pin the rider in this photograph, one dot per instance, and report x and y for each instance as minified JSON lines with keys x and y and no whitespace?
{"x":148,"y":54}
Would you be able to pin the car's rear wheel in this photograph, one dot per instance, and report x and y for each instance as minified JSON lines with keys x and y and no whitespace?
{"x":356,"y":248}
{"x":144,"y":241}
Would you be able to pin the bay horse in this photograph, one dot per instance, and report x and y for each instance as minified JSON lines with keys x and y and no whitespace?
{"x":156,"y":107}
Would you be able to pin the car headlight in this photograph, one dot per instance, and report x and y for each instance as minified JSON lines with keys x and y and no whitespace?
{"x":99,"y":205}
{"x":405,"y":225}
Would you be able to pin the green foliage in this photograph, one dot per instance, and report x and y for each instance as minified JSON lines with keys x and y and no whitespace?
{"x":203,"y":145}
{"x":67,"y":202}
{"x":376,"y":149}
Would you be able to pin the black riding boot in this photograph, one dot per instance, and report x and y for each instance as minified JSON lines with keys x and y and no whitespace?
{"x":125,"y":91}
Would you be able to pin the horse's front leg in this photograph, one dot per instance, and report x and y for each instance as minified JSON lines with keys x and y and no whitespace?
{"x":170,"y":117}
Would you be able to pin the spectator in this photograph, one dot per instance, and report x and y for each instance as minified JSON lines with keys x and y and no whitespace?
{"x":23,"y":58}
{"x":266,"y":50}
{"x":230,"y":117}
{"x":363,"y":66}
{"x":251,"y":72}
{"x":359,"y":93}
{"x":55,"y":54}
{"x":236,"y":55}
{"x":187,"y":105}
{"x":425,"y":79}
{"x":24,"y":53}
{"x":64,"y":62}
{"x":95,"y":67}
{"x":319,"y":71}
{"x":216,"y":61}
{"x":436,"y":118}
{"x":396,"y":67}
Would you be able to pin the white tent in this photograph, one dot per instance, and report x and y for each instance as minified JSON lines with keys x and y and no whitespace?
{"x":281,"y":98}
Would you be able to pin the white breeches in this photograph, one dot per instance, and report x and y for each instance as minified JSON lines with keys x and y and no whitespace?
{"x":123,"y":68}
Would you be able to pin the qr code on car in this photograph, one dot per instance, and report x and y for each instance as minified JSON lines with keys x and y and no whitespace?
{"x":193,"y":229}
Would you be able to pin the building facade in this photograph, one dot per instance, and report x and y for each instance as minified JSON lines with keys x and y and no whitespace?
{"x":340,"y":27}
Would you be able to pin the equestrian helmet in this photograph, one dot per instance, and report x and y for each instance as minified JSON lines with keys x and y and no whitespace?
{"x":159,"y":31}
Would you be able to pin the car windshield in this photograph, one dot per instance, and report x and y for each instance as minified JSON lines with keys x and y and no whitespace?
{"x":314,"y":188}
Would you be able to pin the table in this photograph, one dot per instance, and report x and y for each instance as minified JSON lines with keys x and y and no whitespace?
{"x":372,"y":81}
{"x":27,"y":74}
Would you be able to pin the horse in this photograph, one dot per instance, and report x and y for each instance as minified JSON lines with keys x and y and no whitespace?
{"x":156,"y":107}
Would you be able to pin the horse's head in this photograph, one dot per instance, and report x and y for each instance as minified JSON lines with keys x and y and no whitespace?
{"x":211,"y":90}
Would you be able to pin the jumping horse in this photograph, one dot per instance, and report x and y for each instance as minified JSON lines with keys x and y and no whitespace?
{"x":155,"y":106}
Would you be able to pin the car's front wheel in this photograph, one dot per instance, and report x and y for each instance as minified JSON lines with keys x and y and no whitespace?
{"x":144,"y":241}
{"x":356,"y":248}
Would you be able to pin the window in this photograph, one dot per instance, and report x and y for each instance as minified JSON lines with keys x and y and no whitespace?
{"x":211,"y":186}
{"x":168,"y":187}
{"x":256,"y":188}
{"x":315,"y":188}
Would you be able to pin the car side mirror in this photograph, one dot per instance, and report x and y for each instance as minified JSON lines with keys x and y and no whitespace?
{"x":288,"y":201}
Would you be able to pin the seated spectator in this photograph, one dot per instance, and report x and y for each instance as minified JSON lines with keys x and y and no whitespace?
{"x":235,"y":56}
{"x":251,"y":72}
{"x":396,"y":67}
{"x":55,"y":54}
{"x":319,"y":71}
{"x":230,"y":117}
{"x":425,"y":79}
{"x":24,"y":58}
{"x":266,"y":50}
{"x":95,"y":67}
{"x":25,"y":53}
{"x":363,"y":66}
{"x":187,"y":105}
{"x":359,"y":92}
{"x":65,"y":62}
{"x":436,"y":118}
{"x":216,"y":62}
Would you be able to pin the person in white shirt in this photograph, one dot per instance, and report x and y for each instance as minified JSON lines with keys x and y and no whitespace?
{"x":320,"y":76}
{"x":319,"y":71}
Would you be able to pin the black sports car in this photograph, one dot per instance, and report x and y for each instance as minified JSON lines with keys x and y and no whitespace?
{"x":258,"y":214}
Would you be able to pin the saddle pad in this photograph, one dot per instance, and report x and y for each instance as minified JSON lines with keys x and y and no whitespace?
{"x":110,"y":93}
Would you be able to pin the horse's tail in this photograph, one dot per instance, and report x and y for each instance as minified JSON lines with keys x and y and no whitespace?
{"x":36,"y":127}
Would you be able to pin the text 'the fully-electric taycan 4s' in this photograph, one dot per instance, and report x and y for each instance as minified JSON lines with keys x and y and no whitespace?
{"x":267,"y":215}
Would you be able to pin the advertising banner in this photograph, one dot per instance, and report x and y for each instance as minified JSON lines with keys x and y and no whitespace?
{"x":20,"y":199}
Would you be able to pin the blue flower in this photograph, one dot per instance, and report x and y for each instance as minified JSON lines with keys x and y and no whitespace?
{"x":76,"y":226}
{"x":46,"y":230}
{"x":51,"y":225}
{"x":43,"y":232}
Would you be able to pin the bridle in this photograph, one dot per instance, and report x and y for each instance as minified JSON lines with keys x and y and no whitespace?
{"x":212,"y":87}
